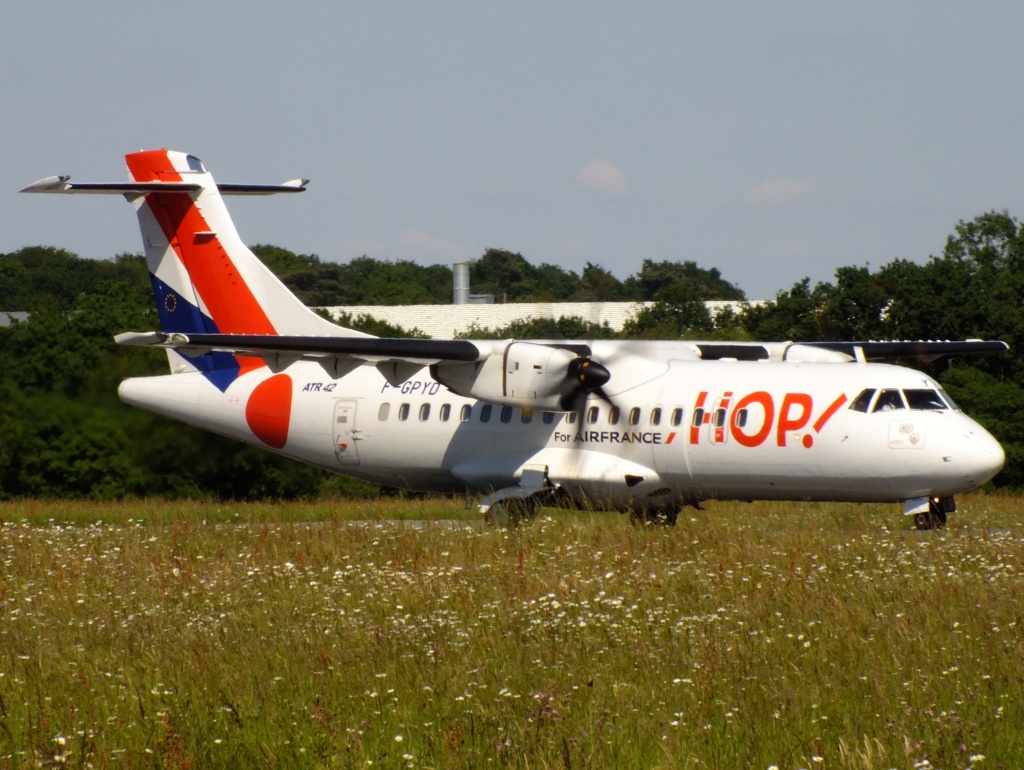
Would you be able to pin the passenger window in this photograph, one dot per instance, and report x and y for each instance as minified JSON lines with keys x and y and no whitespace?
{"x":446,"y":412}
{"x":741,"y":418}
{"x":424,"y":412}
{"x":403,"y":412}
{"x":861,"y":403}
{"x":613,"y":415}
{"x":656,"y":416}
{"x":677,"y":416}
{"x":382,"y":413}
{"x":485,"y":413}
{"x":549,"y":417}
{"x":527,"y":415}
{"x":698,"y":417}
{"x":506,"y":414}
{"x":570,"y":418}
{"x":634,"y":416}
{"x":592,"y":415}
{"x":889,"y":400}
{"x":465,"y":413}
{"x":921,"y":398}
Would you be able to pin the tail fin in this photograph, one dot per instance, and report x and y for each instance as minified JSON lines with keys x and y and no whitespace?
{"x":205,"y":278}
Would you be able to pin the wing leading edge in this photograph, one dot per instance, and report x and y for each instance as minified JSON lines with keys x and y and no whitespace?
{"x":428,"y":351}
{"x":927,"y":349}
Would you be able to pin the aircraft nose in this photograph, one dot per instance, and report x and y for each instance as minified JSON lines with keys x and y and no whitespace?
{"x":982,"y":458}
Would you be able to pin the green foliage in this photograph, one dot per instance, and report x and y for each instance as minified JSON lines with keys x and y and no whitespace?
{"x":507,"y":275}
{"x":599,"y":285}
{"x":665,"y":280}
{"x":679,"y":312}
{"x":285,"y":263}
{"x":510,"y":278}
{"x":792,"y":316}
{"x":363,"y":281}
{"x":563,"y":328}
{"x":375,"y":326}
{"x":39,"y":277}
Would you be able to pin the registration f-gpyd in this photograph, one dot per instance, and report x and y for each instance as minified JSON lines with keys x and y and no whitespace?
{"x":645,"y":427}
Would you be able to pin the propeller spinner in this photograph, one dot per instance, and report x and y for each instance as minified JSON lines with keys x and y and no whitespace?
{"x":583,"y":377}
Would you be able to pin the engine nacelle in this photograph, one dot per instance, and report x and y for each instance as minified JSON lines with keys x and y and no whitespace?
{"x":521,"y":374}
{"x":809,"y":354}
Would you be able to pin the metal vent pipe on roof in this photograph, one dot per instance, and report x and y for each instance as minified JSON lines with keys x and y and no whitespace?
{"x":460,"y":280}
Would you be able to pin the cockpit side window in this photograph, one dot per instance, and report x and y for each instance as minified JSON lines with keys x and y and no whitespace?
{"x":888,"y":400}
{"x":949,"y":400}
{"x":923,"y":398}
{"x":195,"y":164}
{"x":861,"y":403}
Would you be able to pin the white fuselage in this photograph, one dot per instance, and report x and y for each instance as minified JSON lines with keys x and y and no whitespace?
{"x":681,"y":431}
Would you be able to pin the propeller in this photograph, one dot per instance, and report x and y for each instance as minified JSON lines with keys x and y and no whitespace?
{"x":583,"y":377}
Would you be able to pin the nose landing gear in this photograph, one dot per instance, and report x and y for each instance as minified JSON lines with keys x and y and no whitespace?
{"x":935,"y":516}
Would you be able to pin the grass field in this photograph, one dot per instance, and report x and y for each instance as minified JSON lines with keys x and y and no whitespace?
{"x":405,"y":634}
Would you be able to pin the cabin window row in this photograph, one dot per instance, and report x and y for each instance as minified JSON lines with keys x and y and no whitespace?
{"x":506,"y":414}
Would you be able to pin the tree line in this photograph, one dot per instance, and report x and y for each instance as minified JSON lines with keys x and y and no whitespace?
{"x":66,"y":434}
{"x":505,"y":275}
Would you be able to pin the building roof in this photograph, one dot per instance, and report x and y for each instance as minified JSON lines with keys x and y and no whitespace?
{"x":446,"y":321}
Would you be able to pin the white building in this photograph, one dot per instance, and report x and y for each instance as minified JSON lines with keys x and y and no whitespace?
{"x":446,"y":321}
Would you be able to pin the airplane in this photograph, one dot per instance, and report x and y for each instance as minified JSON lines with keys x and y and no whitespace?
{"x":642,"y":427}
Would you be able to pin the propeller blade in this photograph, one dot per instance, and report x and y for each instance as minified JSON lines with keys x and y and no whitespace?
{"x":604,"y":396}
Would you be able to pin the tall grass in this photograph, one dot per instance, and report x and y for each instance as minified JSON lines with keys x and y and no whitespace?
{"x":160,"y":635}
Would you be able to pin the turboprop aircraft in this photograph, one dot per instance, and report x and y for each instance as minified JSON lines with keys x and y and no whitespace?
{"x":643,"y":427}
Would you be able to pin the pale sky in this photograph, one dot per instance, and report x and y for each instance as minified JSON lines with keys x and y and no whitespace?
{"x":770,"y":140}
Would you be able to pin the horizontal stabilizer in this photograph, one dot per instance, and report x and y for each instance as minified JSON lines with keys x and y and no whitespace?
{"x":60,"y":184}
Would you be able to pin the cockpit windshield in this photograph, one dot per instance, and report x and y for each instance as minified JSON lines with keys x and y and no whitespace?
{"x":195,"y":164}
{"x":948,"y":399}
{"x":923,"y":398}
{"x":863,"y":400}
{"x":889,"y":399}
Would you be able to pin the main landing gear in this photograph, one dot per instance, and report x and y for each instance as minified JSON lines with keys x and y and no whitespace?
{"x":513,"y":506}
{"x":512,"y":511}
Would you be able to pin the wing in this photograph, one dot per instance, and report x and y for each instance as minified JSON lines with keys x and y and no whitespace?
{"x":923,"y":350}
{"x":371,"y":350}
{"x":845,"y":351}
{"x":542,"y":375}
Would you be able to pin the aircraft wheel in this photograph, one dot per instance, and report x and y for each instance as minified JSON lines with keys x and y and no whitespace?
{"x":935,"y":518}
{"x":511,"y":512}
